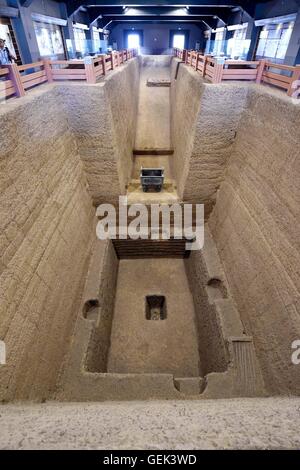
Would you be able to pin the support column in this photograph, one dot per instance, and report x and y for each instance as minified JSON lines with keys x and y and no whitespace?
{"x":208,"y":41}
{"x":68,"y":31}
{"x":252,"y":34}
{"x":89,"y":39}
{"x":293,"y":51}
{"x":227,"y":36}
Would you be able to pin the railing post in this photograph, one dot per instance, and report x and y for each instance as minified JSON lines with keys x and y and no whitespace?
{"x":89,"y":70}
{"x":197,"y":61}
{"x":260,"y":70}
{"x":48,"y":70}
{"x":103,"y":60}
{"x":112,"y":60}
{"x":204,"y":65}
{"x":218,"y":71}
{"x":295,"y":78}
{"x":15,"y":77}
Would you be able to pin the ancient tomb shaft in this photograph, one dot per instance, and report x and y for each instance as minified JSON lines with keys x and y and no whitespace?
{"x":67,"y":148}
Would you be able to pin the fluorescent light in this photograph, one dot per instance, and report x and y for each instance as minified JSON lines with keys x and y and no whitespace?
{"x":234,"y":27}
{"x":80,"y":26}
{"x":276,"y":20}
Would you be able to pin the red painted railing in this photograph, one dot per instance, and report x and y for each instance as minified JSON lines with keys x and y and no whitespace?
{"x":16,"y":80}
{"x":260,"y":71}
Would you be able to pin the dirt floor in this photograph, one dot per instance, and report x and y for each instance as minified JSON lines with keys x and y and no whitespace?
{"x":153,"y":124}
{"x":266,"y":423}
{"x":147,"y":346}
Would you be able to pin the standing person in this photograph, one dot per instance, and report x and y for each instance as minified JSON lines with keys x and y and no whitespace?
{"x":6,"y":57}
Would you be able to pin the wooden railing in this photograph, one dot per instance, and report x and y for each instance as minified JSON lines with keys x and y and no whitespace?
{"x":16,"y":80}
{"x":35,"y":74}
{"x":286,"y":78}
{"x":260,"y":71}
{"x":7,"y":81}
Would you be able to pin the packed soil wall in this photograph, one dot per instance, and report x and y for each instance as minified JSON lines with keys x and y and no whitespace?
{"x":255,"y":224}
{"x":102,"y":279}
{"x":46,"y":218}
{"x":204,"y":121}
{"x":103,"y":119}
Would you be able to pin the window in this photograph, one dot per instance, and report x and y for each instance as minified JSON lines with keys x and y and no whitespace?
{"x":6,"y":32}
{"x":238,"y":45}
{"x":49,"y":39}
{"x":219,"y":43}
{"x":178,"y":41}
{"x":80,"y":40}
{"x":133,"y":40}
{"x":274,"y":40}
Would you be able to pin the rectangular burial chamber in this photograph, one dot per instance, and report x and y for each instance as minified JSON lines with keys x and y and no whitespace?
{"x":121,"y":354}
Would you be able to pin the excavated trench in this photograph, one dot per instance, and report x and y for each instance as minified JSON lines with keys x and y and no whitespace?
{"x":162,"y":318}
{"x":85,"y":319}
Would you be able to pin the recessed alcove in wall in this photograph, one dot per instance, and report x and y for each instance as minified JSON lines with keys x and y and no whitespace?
{"x":216,"y":288}
{"x":90,"y":309}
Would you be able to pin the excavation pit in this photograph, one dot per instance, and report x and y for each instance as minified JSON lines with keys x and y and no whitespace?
{"x":63,"y":294}
{"x":159,"y":331}
{"x":139,"y":345}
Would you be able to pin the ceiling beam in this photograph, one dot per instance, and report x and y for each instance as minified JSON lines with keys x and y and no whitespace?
{"x":201,"y":24}
{"x":26,"y":3}
{"x":155,"y":13}
{"x":111,"y":21}
{"x":247,"y":5}
{"x":10,"y":12}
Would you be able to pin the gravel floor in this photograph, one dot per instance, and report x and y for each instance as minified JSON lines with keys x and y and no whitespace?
{"x":267,"y":423}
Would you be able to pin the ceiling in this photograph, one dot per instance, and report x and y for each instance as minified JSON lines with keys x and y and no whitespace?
{"x":203,"y":13}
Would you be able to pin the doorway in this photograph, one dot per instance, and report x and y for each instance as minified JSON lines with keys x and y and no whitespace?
{"x":133,"y":39}
{"x":179,"y":39}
